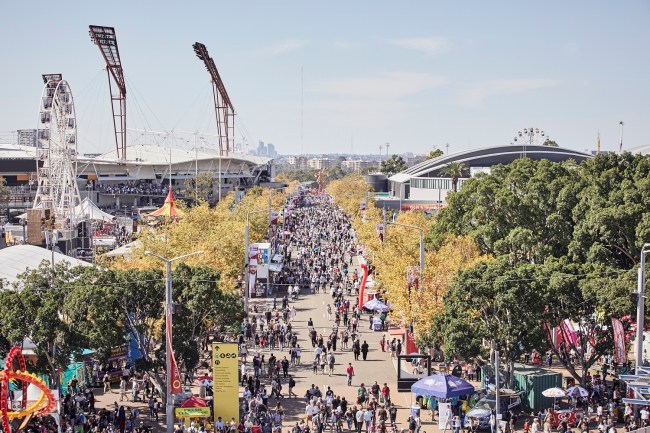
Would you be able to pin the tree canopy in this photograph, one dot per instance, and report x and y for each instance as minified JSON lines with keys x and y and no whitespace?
{"x":565,"y":240}
{"x":392,"y":165}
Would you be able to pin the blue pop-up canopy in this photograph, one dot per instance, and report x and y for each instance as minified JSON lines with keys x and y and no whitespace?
{"x":376,"y":305}
{"x":442,"y":385}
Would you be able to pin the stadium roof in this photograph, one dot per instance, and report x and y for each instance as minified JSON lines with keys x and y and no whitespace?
{"x":159,"y":155}
{"x":17,"y":259}
{"x":489,"y":156}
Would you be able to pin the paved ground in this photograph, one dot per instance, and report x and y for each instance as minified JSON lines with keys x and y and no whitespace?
{"x":378,"y":366}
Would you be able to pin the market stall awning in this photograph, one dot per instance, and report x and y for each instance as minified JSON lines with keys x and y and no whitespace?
{"x":376,"y":305}
{"x":194,"y":402}
{"x":442,"y":385}
{"x":169,"y":209}
{"x":396,"y":331}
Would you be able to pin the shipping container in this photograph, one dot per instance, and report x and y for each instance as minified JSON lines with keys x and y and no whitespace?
{"x":530,"y":381}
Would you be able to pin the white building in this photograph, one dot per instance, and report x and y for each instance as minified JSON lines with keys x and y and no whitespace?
{"x":320,"y":163}
{"x":357,"y":165}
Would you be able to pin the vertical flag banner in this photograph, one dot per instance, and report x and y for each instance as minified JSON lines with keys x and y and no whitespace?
{"x":225,"y":383}
{"x":253,"y":255}
{"x":173,"y":376}
{"x":619,"y":341}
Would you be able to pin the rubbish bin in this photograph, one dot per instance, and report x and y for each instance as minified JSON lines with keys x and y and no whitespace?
{"x":376,"y":325}
{"x":415,"y":410}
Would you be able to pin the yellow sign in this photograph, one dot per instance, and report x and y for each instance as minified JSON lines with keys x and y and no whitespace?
{"x":192,"y":412}
{"x":225,"y":382}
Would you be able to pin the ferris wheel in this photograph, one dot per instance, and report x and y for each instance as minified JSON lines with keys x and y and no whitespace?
{"x":57,"y":152}
{"x":530,"y":137}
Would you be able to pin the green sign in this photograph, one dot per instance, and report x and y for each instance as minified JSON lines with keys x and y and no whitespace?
{"x":192,"y":412}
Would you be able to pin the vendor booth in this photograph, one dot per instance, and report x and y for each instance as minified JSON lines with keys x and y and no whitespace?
{"x":193,"y":409}
{"x":442,"y":387}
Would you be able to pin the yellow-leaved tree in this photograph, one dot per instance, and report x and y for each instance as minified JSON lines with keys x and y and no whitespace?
{"x":218,"y":231}
{"x":400,"y":250}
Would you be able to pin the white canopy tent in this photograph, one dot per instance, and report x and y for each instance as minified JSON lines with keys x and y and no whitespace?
{"x":90,"y":209}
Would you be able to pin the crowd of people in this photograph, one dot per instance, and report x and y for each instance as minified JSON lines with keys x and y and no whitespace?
{"x":320,"y":248}
{"x":134,"y":187}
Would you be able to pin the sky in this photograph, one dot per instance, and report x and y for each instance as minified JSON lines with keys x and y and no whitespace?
{"x":342,"y":76}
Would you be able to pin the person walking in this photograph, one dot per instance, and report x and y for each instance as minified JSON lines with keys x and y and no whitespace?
{"x":350,"y":373}
{"x":107,"y":382}
{"x":292,"y":384}
{"x":364,"y":350}
{"x":123,"y":385}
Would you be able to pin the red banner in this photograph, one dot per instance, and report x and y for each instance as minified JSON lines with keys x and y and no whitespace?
{"x":362,"y":287}
{"x":619,"y":341}
{"x":173,"y":377}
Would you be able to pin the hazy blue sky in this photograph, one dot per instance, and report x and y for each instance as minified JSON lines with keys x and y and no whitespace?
{"x":417,"y":74}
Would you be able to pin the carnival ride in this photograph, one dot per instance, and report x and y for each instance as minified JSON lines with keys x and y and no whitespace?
{"x":42,"y":405}
{"x":57,"y":189}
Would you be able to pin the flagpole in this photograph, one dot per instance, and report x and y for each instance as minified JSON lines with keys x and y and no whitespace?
{"x":620,"y":146}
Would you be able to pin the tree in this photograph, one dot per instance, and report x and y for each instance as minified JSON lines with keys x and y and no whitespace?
{"x":34,"y":310}
{"x":393,"y":165}
{"x":495,"y":302}
{"x":201,"y":187}
{"x":523,"y":209}
{"x":434,"y":154}
{"x":218,"y":231}
{"x":549,"y":142}
{"x":455,"y":171}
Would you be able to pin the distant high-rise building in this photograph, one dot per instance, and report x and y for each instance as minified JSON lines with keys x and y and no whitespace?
{"x":270,"y":150}
{"x":261,"y":149}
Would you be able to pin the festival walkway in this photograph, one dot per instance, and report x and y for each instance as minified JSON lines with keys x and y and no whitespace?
{"x":378,"y":366}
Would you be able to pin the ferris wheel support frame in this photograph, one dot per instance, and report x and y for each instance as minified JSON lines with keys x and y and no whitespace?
{"x":56,"y":154}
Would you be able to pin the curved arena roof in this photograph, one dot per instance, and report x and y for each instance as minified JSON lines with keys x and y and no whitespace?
{"x":487,"y":157}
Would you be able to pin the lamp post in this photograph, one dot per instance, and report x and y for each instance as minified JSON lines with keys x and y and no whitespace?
{"x":640,"y":310}
{"x":169,"y":405}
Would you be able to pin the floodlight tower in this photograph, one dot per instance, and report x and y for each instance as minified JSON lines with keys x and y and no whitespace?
{"x":222,"y":105}
{"x":106,"y":40}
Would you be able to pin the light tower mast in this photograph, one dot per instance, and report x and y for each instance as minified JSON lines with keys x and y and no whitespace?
{"x":223,"y":107}
{"x":106,"y":40}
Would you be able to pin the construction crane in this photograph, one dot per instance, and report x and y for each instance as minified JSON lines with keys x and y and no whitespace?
{"x":223,"y":107}
{"x":106,"y":40}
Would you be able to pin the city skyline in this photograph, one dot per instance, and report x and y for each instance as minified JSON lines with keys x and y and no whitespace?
{"x":469,"y":74}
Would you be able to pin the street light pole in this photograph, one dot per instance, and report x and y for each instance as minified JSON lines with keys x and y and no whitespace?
{"x":640,"y":310}
{"x":169,"y":404}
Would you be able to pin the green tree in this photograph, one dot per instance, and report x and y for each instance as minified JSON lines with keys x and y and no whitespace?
{"x":201,"y":187}
{"x":393,"y":165}
{"x":434,"y":154}
{"x":549,"y":142}
{"x":494,"y":302}
{"x":34,"y":310}
{"x":455,"y":171}
{"x":523,"y":209}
